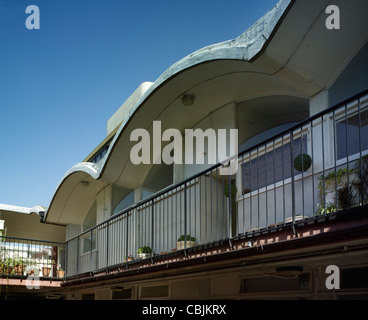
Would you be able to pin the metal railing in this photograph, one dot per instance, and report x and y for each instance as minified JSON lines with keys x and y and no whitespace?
{"x":21,"y":258}
{"x":314,"y":169}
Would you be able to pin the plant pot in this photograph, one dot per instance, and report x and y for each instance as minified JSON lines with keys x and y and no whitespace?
{"x":6,"y":270}
{"x":144,"y":255}
{"x":19,"y":269}
{"x":181,"y":244}
{"x":46,"y":271}
{"x":60,"y":273}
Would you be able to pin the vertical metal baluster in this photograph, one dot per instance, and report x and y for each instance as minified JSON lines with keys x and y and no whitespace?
{"x":127,"y":236}
{"x":265,"y":155}
{"x":242,"y":184}
{"x":107,"y":244}
{"x":335,"y":155}
{"x":230,"y":211}
{"x":90,"y":258}
{"x":312,"y":154}
{"x":361,"y":198}
{"x":347,"y":151}
{"x":258,"y":195}
{"x":78,"y":254}
{"x":302,"y":147}
{"x":283,"y":177}
{"x":250,"y":193}
{"x":292,"y":181}
{"x":152,"y":228}
{"x":274,"y":180}
{"x":323,"y":165}
{"x":185,"y":215}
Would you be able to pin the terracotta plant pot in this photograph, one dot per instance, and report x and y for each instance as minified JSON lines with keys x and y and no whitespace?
{"x":60,"y":273}
{"x":19,"y":269}
{"x":46,"y":271}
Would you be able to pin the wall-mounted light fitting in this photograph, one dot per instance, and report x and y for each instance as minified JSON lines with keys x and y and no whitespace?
{"x":188,"y":100}
{"x":85,"y":183}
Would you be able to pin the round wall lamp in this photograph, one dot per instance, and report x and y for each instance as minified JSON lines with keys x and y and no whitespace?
{"x":188,"y":99}
{"x":85,"y":183}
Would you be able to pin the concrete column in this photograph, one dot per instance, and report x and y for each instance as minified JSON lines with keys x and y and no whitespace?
{"x":318,"y":103}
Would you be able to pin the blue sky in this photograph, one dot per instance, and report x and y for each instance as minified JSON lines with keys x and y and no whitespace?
{"x":60,"y":84}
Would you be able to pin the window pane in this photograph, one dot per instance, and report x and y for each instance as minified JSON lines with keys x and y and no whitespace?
{"x":347,"y":135}
{"x":272,"y":167}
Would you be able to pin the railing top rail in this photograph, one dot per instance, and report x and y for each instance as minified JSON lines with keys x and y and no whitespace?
{"x":35,"y":240}
{"x":178,"y":185}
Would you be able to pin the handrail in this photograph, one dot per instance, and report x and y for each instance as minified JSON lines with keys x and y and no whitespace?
{"x":27,"y":239}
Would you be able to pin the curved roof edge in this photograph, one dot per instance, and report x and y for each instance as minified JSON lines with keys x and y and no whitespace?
{"x":16,"y":209}
{"x":245,"y":47}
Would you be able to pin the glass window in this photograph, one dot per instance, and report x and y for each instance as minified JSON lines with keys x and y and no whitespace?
{"x":122,"y":198}
{"x":347,"y":135}
{"x":272,"y":167}
{"x":89,"y":241}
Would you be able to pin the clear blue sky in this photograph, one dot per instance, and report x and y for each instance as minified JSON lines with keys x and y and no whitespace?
{"x":59,"y":85}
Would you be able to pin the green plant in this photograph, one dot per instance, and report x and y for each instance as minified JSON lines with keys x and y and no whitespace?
{"x":234,"y":190}
{"x":187,"y":237}
{"x":346,"y":197}
{"x":332,"y":180}
{"x":7,"y":265}
{"x":145,"y":249}
{"x":302,"y":162}
{"x":322,"y":210}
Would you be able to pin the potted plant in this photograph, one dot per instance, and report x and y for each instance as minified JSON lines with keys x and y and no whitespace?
{"x":46,"y":271}
{"x":7,"y":266}
{"x":144,"y":252}
{"x":190,"y":242}
{"x":129,"y":258}
{"x":347,"y":197}
{"x":334,"y":188}
{"x":60,"y":272}
{"x":302,"y":162}
{"x":19,"y":266}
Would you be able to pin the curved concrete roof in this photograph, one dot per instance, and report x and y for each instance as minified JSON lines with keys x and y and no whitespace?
{"x":25,"y":210}
{"x":281,"y":54}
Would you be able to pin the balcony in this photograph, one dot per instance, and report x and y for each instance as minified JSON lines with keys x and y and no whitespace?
{"x":22,"y":259}
{"x":314,"y":172}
